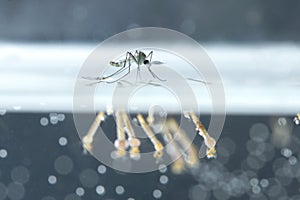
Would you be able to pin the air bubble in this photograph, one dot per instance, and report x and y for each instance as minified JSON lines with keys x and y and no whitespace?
{"x":293,"y":160}
{"x":101,"y":169}
{"x":256,"y":189}
{"x":63,"y":165}
{"x":282,"y":121}
{"x":157,"y":194}
{"x":162,"y":168}
{"x":44,"y":121}
{"x":61,"y":117}
{"x":113,"y":155}
{"x":120,"y":190}
{"x":254,"y":181}
{"x":100,"y":190}
{"x":286,"y":152}
{"x":53,"y":119}
{"x":163,"y":179}
{"x":264,"y":183}
{"x":52,"y":179}
{"x":3,"y":153}
{"x":259,"y":132}
{"x":20,"y":174}
{"x":89,"y":178}
{"x":15,"y":191}
{"x":62,"y":141}
{"x":79,"y":191}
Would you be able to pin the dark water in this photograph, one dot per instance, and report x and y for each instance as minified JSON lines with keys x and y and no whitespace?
{"x":47,"y":162}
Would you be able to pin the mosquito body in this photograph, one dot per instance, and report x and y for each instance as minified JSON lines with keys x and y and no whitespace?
{"x":138,"y":57}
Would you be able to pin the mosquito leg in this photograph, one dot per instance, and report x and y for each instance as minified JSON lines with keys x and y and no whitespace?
{"x":103,"y":78}
{"x":154,"y":75}
{"x":150,"y":56}
{"x":89,"y":137}
{"x":116,"y":80}
{"x":138,"y":65}
{"x":138,"y":74}
{"x":104,"y":81}
{"x":123,"y":68}
{"x":128,"y":58}
{"x":151,"y":72}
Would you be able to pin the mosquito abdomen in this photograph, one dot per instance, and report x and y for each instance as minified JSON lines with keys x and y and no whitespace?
{"x":115,"y":64}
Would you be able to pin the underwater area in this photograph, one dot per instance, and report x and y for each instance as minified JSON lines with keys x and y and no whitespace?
{"x":42,"y":158}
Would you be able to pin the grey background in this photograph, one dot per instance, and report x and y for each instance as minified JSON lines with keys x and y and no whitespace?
{"x":93,"y":20}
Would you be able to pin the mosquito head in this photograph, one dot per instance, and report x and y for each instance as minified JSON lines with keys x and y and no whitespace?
{"x":146,"y":62}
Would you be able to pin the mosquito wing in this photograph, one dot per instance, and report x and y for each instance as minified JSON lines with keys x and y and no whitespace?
{"x":91,"y":78}
{"x":156,"y":62}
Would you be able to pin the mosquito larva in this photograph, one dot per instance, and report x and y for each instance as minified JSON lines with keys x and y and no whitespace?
{"x":180,"y":136}
{"x":172,"y":149}
{"x":120,"y":143}
{"x":156,"y":143}
{"x":133,"y":141}
{"x":89,"y":137}
{"x":208,"y":140}
{"x":297,"y":119}
{"x":109,"y":110}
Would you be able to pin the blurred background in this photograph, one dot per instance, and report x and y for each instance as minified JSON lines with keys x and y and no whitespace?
{"x":92,"y":20}
{"x":255,"y":46}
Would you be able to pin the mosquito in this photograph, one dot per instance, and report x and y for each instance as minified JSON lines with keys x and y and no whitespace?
{"x":139,"y":58}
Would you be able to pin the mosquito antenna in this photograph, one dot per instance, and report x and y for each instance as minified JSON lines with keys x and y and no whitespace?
{"x":151,"y":83}
{"x":94,"y":83}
